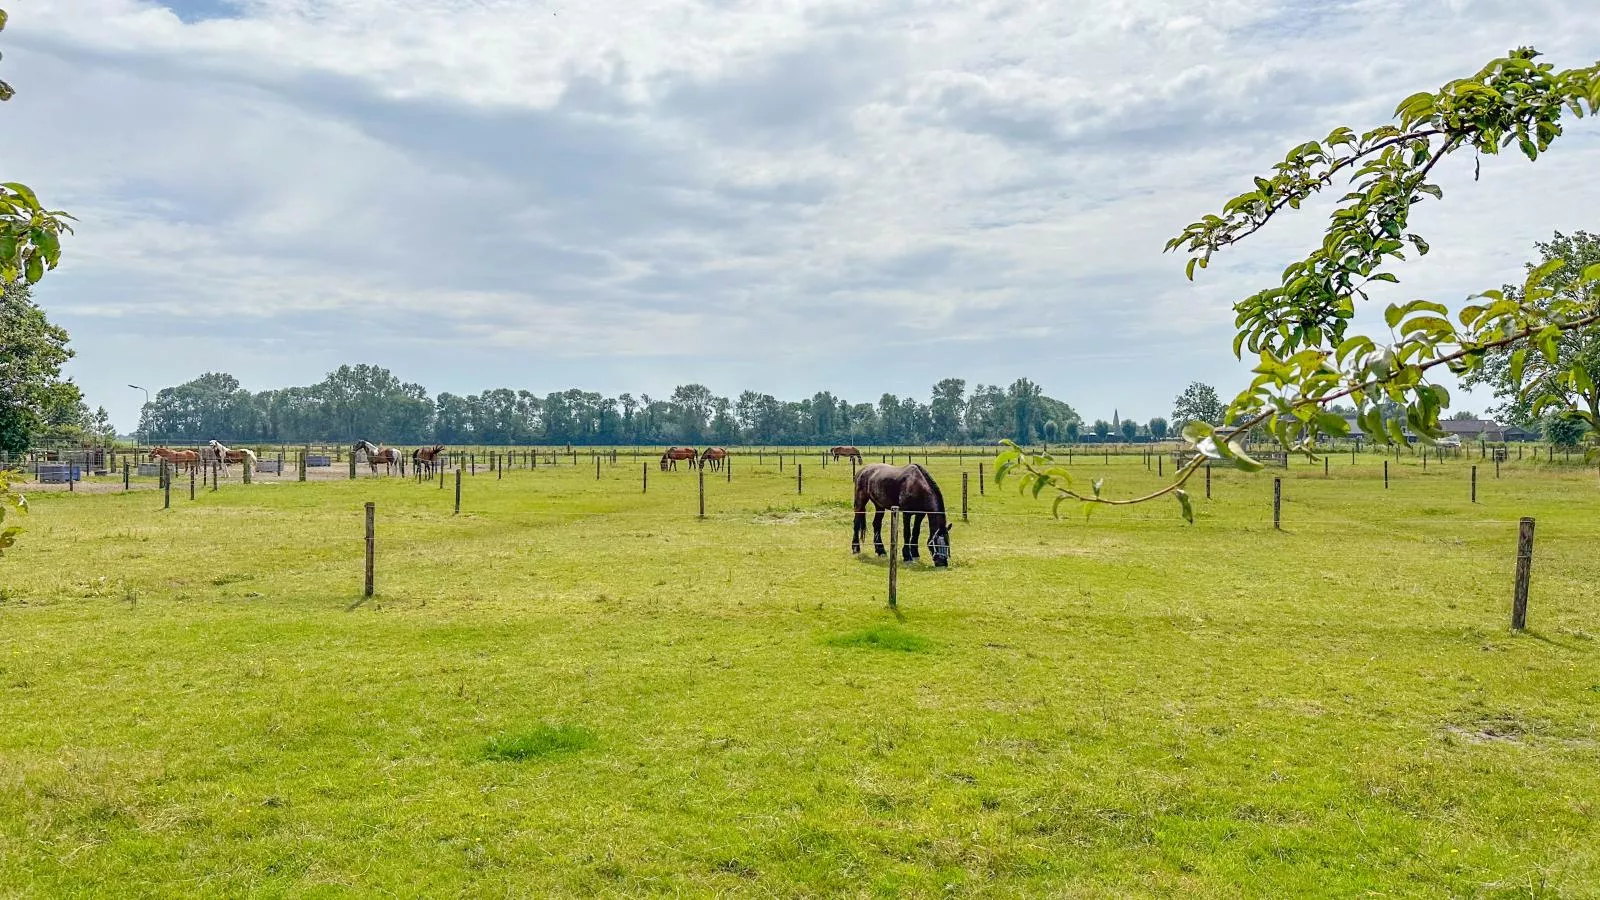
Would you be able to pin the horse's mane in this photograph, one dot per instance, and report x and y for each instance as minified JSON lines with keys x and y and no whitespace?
{"x":938,"y":496}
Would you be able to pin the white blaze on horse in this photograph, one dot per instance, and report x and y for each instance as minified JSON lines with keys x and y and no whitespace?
{"x":388,"y":456}
{"x":214,"y":454}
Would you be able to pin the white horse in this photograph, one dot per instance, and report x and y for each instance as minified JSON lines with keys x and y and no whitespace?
{"x":216,"y":454}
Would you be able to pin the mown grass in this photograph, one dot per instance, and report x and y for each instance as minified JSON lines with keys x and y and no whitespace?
{"x":195,"y":703}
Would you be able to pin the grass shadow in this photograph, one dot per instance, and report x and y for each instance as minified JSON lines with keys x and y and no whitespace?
{"x":541,"y":741}
{"x":882,"y":637}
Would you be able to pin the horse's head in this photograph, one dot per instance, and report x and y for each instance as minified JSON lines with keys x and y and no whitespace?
{"x":155,"y":452}
{"x":939,"y":545}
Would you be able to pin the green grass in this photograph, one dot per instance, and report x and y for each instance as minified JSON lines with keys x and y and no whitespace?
{"x":199,"y":702}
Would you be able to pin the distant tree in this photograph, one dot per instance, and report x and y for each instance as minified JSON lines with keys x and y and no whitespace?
{"x":1464,"y":415}
{"x":1197,"y":403}
{"x":1158,"y":428}
{"x":1074,"y":430}
{"x":1565,"y":429}
{"x":1052,"y":431}
{"x":32,"y":352}
{"x":1130,"y":429}
{"x":949,"y":400}
{"x":1102,"y":428}
{"x":1576,"y":350}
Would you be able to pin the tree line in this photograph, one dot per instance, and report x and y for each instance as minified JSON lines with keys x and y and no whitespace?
{"x":369,"y":402}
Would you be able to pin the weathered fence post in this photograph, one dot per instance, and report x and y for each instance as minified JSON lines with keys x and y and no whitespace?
{"x":1474,"y":484}
{"x":702,"y":492}
{"x":894,"y":556}
{"x":1277,"y":503}
{"x":646,"y":479}
{"x":1519,"y":597}
{"x":125,"y":484}
{"x":302,"y":465}
{"x":727,"y":467}
{"x":191,"y":484}
{"x":1497,"y":469}
{"x":1386,"y":474}
{"x":247,"y":473}
{"x":780,"y":462}
{"x":216,"y":476}
{"x":371,"y":544}
{"x":597,"y":468}
{"x":980,"y":479}
{"x":963,"y":496}
{"x":474,"y":459}
{"x":799,"y":478}
{"x":280,"y":465}
{"x":458,"y":492}
{"x":1324,"y":466}
{"x":166,"y":486}
{"x":352,"y":467}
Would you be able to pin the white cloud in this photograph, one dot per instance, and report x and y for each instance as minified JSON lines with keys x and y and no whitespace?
{"x":857,"y":196}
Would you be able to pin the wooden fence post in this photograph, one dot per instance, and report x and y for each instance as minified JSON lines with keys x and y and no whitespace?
{"x":1161,"y":466}
{"x":963,"y":496}
{"x":458,"y":492}
{"x":1386,"y":474}
{"x":646,"y":479}
{"x":702,"y":492}
{"x":371,"y":543}
{"x":727,"y":467}
{"x":1497,"y":469}
{"x":980,"y":479}
{"x":474,"y":459}
{"x":302,"y":465}
{"x":166,"y":485}
{"x":799,"y":478}
{"x":894,"y":557}
{"x":246,"y":466}
{"x":1519,"y":597}
{"x":1474,"y":484}
{"x":352,"y":467}
{"x":216,"y":476}
{"x":1324,"y":466}
{"x":1277,"y":503}
{"x":125,"y":484}
{"x":191,"y":484}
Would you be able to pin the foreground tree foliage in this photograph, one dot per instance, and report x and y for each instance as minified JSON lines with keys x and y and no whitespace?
{"x":29,"y":245}
{"x":1300,"y":328}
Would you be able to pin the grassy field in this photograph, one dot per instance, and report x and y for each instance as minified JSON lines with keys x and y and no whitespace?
{"x":574,"y":688}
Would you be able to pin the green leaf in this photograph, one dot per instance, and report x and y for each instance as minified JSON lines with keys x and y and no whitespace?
{"x":1241,"y":459}
{"x":1197,"y":431}
{"x":1519,"y":358}
{"x":1097,"y":484}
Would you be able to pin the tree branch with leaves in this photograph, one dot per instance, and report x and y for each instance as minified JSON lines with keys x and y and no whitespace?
{"x":1300,"y":328}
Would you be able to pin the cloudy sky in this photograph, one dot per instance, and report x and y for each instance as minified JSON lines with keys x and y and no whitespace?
{"x":624,"y":195}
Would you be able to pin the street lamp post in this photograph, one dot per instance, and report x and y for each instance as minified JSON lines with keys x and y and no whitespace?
{"x":136,"y":431}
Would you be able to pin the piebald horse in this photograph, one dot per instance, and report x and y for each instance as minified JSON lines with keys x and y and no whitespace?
{"x":388,"y":456}
{"x":915,"y":492}
{"x":216,"y":454}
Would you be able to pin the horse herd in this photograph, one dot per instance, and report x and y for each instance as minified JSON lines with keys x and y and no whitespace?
{"x":910,"y":488}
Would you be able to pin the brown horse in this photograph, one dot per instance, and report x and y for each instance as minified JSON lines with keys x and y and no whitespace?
{"x":425,"y":458}
{"x":387,"y":456}
{"x":180,"y":459}
{"x":713,"y":457}
{"x":915,"y":492}
{"x":674,"y":454}
{"x":846,"y":453}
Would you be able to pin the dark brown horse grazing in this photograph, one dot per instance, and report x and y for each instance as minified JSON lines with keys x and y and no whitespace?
{"x":846,"y":453}
{"x":713,"y":457}
{"x":423,"y":459}
{"x":673,"y":454}
{"x":916,"y":493}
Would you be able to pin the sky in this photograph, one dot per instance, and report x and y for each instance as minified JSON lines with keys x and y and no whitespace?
{"x":785,"y":196}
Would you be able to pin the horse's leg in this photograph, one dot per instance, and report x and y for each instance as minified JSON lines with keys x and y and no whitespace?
{"x":877,"y":532}
{"x":908,"y":549}
{"x":858,"y":523}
